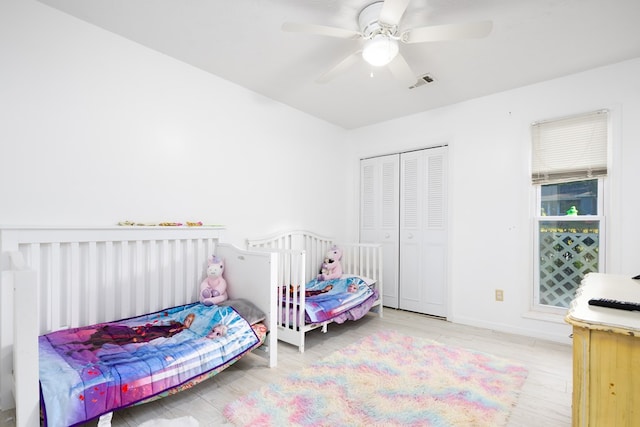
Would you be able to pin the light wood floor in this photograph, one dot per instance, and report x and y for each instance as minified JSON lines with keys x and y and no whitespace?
{"x":545,"y":399}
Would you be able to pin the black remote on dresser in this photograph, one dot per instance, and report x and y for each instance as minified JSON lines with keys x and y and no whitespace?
{"x":611,"y":303}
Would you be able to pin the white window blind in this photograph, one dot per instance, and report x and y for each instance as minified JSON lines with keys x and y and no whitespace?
{"x":570,"y":149}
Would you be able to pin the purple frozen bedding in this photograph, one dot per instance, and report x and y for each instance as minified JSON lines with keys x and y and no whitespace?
{"x":337,"y":299}
{"x":89,"y":371}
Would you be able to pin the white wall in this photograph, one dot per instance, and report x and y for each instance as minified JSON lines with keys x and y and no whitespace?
{"x":490,"y":192}
{"x":96,"y":129}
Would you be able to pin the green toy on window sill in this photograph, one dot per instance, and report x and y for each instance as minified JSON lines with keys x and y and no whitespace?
{"x":572,"y":211}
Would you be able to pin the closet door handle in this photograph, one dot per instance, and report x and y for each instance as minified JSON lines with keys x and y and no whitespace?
{"x":410,"y":236}
{"x":386,"y":236}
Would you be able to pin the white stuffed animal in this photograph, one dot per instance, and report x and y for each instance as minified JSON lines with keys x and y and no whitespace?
{"x":213,"y":289}
{"x":331,"y":267}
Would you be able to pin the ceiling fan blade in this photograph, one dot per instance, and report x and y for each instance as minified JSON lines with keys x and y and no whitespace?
{"x":320,"y":30}
{"x":436,"y":33}
{"x":402,"y":71}
{"x":341,"y":67}
{"x":392,"y":11}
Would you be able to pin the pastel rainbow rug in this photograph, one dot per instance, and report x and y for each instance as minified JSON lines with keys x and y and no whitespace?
{"x":389,"y":379}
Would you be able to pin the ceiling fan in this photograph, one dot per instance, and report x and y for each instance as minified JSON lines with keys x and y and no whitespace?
{"x":379,"y":27}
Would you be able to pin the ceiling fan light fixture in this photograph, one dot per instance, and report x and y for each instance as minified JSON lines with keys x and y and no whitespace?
{"x":380,"y":50}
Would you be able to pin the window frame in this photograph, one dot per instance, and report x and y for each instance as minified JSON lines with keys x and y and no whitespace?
{"x":536,"y":306}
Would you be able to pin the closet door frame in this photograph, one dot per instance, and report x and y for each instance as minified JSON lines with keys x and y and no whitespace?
{"x":407,"y":284}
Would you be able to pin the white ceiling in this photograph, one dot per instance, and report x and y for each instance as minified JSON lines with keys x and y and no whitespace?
{"x":241,"y":41}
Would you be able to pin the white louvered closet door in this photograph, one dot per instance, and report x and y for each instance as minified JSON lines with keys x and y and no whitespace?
{"x":423,"y":231}
{"x":379,"y":210}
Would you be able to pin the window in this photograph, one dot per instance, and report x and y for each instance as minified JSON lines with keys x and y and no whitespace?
{"x":569,"y":165}
{"x":568,"y":239}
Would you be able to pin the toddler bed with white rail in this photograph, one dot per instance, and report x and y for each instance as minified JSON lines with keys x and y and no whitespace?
{"x":303,"y":304}
{"x":76,"y":281}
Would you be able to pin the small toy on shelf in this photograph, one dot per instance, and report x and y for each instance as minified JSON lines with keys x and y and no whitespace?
{"x":161,"y":224}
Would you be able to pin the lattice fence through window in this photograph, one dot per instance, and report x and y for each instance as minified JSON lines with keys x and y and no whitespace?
{"x":565,"y":258}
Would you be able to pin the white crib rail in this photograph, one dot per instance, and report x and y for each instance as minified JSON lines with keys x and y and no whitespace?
{"x":149,"y":268}
{"x":363,"y":259}
{"x":314,"y":246}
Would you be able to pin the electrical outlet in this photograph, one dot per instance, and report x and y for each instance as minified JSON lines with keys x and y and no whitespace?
{"x":499,"y":295}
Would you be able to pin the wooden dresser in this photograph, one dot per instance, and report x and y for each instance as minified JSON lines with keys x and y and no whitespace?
{"x":606,"y":353}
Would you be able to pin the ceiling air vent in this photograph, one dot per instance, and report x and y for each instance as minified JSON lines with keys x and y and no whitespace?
{"x":423,"y":80}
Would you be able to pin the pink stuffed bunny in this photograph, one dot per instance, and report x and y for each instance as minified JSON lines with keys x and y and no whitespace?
{"x":213,"y":289}
{"x":331,"y":267}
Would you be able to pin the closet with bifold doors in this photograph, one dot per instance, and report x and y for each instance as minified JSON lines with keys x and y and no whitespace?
{"x":403,"y":205}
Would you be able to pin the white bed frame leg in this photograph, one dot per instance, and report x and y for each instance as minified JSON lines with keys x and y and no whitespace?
{"x":25,"y":341}
{"x":105,"y":420}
